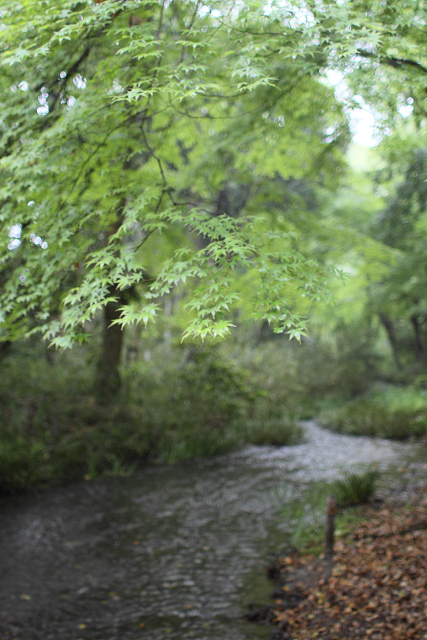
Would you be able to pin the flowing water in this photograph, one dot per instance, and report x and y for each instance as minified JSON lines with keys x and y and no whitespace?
{"x":170,"y":552}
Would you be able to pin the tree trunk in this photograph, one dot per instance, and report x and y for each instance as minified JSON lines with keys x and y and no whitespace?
{"x":419,"y":349}
{"x":107,"y":377}
{"x":5,"y":348}
{"x":331,"y":511}
{"x":389,"y":327}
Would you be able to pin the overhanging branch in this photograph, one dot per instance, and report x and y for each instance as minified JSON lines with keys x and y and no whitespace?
{"x":393,"y":62}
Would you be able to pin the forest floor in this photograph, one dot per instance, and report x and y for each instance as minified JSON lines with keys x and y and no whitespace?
{"x":378,"y":587}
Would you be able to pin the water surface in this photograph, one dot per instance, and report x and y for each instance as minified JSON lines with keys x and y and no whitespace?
{"x":166,"y":553}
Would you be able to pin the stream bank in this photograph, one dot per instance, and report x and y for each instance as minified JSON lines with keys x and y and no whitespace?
{"x":378,"y":586}
{"x":167,"y":553}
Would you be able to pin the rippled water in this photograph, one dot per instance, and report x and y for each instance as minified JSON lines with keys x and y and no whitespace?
{"x":164,"y":553}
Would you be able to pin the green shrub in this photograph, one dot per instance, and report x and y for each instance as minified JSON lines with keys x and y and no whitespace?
{"x":208,"y":391}
{"x":205,"y":390}
{"x":183,"y":445}
{"x":52,"y":430}
{"x":288,"y":372}
{"x":208,"y":405}
{"x":22,"y":464}
{"x":396,"y":413}
{"x":277,"y":432}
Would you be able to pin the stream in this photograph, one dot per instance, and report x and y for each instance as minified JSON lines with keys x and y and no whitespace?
{"x":172,"y":552}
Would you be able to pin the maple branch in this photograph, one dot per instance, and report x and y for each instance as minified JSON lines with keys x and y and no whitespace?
{"x":393,"y":62}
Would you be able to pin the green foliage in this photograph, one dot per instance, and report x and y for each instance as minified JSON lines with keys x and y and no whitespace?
{"x":277,"y":432}
{"x":397,"y":413}
{"x":22,"y":463}
{"x":355,"y":488}
{"x":125,"y":131}
{"x":380,"y":49}
{"x":204,"y":392}
{"x":346,"y":359}
{"x":51,"y":430}
{"x":113,"y":445}
{"x":397,"y":295}
{"x":172,"y":147}
{"x":170,"y":409}
{"x":305,"y":516}
{"x":289,"y":374}
{"x":208,"y":405}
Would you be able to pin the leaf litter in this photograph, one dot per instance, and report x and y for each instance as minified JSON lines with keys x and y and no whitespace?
{"x":378,"y":587}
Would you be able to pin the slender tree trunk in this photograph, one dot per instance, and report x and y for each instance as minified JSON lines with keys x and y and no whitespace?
{"x":389,"y":327}
{"x":107,"y":377}
{"x":419,"y":349}
{"x":331,"y":511}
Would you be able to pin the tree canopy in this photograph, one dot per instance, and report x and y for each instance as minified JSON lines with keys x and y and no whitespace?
{"x":156,"y":146}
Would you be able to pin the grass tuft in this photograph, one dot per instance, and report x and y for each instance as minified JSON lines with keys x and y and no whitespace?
{"x":305,"y":515}
{"x":355,"y":488}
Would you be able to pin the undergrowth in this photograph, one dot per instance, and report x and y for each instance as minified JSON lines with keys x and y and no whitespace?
{"x":305,"y":516}
{"x":396,"y":413}
{"x":52,"y":430}
{"x":177,"y":403}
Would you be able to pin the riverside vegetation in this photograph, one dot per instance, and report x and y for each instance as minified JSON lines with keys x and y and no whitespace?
{"x":383,"y":596}
{"x":398,"y":413}
{"x":53,"y":430}
{"x":306,"y":515}
{"x":181,"y":403}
